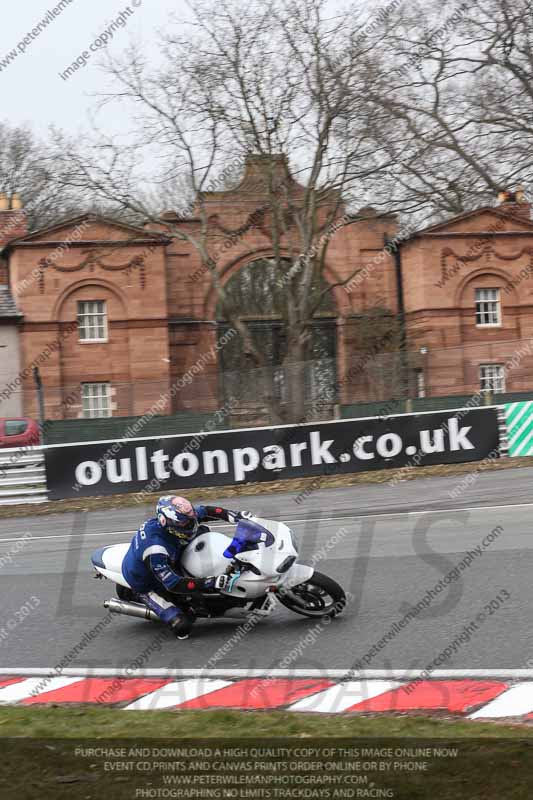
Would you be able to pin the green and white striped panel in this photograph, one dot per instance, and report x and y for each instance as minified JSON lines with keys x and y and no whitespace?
{"x":519,"y":418}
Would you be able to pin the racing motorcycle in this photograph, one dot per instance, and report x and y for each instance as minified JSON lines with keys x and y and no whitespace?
{"x":261,"y":561}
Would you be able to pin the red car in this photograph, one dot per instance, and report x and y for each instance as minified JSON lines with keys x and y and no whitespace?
{"x":18,"y":432}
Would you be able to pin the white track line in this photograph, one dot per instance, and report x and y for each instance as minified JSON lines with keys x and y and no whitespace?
{"x":176,"y":693}
{"x":290,"y":521}
{"x":235,"y":674}
{"x":515,"y":702}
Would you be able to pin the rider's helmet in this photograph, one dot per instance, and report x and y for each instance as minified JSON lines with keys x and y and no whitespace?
{"x":177,"y":516}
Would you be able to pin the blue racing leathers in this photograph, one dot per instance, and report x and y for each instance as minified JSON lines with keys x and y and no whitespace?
{"x":153,"y":559}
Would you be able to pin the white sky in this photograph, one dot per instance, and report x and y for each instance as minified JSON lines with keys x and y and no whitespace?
{"x":31,"y":88}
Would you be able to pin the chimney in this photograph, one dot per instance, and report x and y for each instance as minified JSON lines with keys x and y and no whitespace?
{"x":258,"y":169}
{"x":515,"y":203}
{"x":13,"y":218}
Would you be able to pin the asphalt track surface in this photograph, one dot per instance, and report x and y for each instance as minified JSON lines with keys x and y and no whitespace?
{"x":386,"y":545}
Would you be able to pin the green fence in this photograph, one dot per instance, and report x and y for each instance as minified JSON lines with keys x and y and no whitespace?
{"x":110,"y":428}
{"x":385,"y":408}
{"x":114,"y":428}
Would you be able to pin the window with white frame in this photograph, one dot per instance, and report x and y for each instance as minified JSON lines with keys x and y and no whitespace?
{"x":420,"y":383}
{"x":96,"y":400}
{"x":488,"y":311}
{"x":492,"y":378}
{"x":92,"y":321}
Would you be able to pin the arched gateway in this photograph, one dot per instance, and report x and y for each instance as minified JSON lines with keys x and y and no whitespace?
{"x":259,"y":294}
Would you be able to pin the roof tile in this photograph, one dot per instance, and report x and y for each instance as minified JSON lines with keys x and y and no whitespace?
{"x":8,"y":307}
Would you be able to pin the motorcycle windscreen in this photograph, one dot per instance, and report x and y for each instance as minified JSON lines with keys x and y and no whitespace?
{"x":248,"y":536}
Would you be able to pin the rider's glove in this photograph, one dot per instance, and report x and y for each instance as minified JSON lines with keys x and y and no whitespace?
{"x":243,"y":515}
{"x":215,"y":584}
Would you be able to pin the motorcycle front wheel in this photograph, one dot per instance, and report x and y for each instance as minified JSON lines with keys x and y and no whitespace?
{"x":320,"y":596}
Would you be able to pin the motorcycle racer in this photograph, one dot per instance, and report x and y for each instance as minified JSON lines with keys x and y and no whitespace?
{"x":152,"y":561}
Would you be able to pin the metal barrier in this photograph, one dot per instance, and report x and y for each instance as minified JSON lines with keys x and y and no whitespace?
{"x":504,"y":438}
{"x":22,"y":476}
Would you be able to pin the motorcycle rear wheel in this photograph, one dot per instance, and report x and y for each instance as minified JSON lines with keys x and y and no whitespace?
{"x":322,"y":595}
{"x":125,"y":594}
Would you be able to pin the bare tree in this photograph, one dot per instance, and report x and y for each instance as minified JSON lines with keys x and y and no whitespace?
{"x":453,"y":92}
{"x":267,"y":80}
{"x":495,"y":54}
{"x":28,"y":168}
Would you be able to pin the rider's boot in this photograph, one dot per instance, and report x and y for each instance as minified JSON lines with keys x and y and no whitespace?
{"x":182,"y":623}
{"x":179,"y":620}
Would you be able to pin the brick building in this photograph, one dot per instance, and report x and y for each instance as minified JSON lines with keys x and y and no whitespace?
{"x":119,"y":318}
{"x":469,"y":300}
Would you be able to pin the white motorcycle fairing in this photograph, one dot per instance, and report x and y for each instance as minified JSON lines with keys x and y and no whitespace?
{"x":272,"y":566}
{"x":108,"y":562}
{"x":300,"y":573}
{"x":204,"y":556}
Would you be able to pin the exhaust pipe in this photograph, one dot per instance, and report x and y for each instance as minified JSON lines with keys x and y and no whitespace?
{"x":130,"y":609}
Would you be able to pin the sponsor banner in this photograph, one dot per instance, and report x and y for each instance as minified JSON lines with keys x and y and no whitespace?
{"x":519,"y":420}
{"x":266,"y":454}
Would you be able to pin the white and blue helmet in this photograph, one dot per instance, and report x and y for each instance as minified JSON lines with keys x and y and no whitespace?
{"x":178,"y":516}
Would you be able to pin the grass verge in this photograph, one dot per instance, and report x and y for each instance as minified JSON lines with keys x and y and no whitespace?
{"x":97,"y":721}
{"x":492,"y":761}
{"x":294,"y":486}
